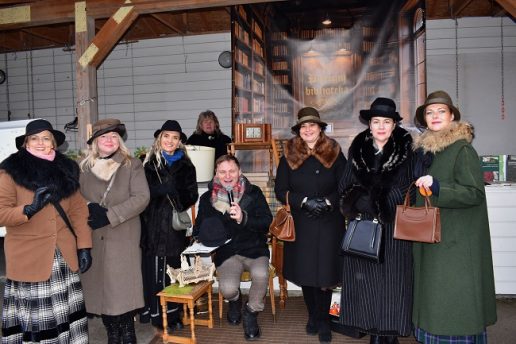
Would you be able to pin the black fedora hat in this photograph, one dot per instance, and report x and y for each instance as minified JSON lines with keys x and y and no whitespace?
{"x":171,"y":125}
{"x":381,"y":107}
{"x":37,"y":126}
{"x":212,"y":232}
{"x":308,"y":114}
{"x":106,"y":126}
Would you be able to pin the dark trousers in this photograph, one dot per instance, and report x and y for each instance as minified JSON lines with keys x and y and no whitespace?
{"x":155,"y":278}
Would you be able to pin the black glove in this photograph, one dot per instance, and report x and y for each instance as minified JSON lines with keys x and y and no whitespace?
{"x":314,"y":207}
{"x":41,"y":199}
{"x":98,"y":216}
{"x":84,"y":259}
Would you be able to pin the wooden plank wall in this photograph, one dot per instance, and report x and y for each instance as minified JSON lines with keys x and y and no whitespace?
{"x":479,"y":77}
{"x":142,"y":83}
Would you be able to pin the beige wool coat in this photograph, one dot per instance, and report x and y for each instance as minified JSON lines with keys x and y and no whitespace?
{"x":113,"y":284}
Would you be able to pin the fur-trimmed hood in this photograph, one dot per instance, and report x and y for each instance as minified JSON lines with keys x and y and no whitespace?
{"x":437,"y":141}
{"x":375,"y":175}
{"x":30,"y":172}
{"x":326,"y":150}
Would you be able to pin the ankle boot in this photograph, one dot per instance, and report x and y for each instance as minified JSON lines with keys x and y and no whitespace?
{"x":311,"y":325}
{"x":250,"y":323}
{"x":127,"y":328}
{"x":375,"y":340}
{"x":112,"y":324}
{"x":324,"y":331}
{"x":234,"y":314}
{"x":391,"y":340}
{"x":309,"y":298}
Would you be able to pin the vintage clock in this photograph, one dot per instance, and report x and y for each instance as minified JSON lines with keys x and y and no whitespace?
{"x":252,"y":133}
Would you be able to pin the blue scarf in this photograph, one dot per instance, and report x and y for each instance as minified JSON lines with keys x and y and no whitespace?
{"x":170,"y":159}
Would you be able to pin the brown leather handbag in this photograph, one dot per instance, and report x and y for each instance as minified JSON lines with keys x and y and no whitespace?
{"x":421,"y":224}
{"x":282,"y":226}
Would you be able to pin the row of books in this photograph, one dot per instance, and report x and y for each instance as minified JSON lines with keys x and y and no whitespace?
{"x":498,"y":168}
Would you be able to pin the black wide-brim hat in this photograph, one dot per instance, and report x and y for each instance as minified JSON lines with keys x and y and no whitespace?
{"x":308,"y":114}
{"x":171,"y":125}
{"x":106,"y":126}
{"x":381,"y":107}
{"x":212,"y":232}
{"x":37,"y":126}
{"x":437,"y":97}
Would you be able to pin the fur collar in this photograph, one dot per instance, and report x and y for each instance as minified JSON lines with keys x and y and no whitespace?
{"x":30,"y":172}
{"x":326,"y":150}
{"x":437,"y":141}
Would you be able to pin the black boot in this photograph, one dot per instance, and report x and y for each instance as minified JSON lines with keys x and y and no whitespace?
{"x":391,"y":340}
{"x":322,"y":301}
{"x":174,"y":320}
{"x":127,"y":328}
{"x":251,"y":328}
{"x":309,"y":297}
{"x":112,"y":324}
{"x":375,"y":340}
{"x":234,"y":314}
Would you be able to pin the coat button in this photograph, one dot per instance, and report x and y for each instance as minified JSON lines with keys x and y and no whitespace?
{"x":316,"y":171}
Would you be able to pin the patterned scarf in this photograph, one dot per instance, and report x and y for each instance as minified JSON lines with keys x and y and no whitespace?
{"x":219,"y":195}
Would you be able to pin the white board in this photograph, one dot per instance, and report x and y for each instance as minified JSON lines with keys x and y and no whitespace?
{"x":8,"y":133}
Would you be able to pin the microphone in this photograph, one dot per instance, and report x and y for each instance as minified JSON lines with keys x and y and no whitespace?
{"x":229,"y":190}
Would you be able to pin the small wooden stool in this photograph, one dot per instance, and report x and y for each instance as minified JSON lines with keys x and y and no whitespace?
{"x":187,"y":299}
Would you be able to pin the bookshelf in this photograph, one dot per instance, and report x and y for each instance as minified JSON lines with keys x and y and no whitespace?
{"x":249,"y":90}
{"x":281,"y":95}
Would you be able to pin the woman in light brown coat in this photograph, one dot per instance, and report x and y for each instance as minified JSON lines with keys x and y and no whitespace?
{"x":115,"y":185}
{"x":43,"y":298}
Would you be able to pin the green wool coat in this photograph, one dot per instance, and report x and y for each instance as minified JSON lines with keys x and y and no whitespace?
{"x":453,"y":280}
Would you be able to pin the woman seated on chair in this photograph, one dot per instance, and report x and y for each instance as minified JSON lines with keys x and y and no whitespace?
{"x":233,"y":202}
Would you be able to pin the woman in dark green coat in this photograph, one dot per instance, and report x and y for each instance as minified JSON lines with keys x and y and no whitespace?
{"x":454,"y":296}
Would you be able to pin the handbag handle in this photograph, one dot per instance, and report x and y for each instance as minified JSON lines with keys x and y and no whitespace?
{"x":406,"y":203}
{"x":287,"y":205}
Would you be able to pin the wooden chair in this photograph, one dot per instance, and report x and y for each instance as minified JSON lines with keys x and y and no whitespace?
{"x":246,"y":277}
{"x":277,"y":245}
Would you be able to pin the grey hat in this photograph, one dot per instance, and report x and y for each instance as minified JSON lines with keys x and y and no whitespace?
{"x":437,"y":97}
{"x":106,"y":126}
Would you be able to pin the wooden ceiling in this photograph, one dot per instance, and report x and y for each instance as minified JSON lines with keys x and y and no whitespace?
{"x":50,"y":23}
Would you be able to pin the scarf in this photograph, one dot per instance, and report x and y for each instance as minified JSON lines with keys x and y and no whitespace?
{"x":50,"y":157}
{"x":171,"y":158}
{"x":219,"y":195}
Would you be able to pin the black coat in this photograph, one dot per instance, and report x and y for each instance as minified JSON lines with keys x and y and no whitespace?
{"x":179,"y":182}
{"x":378,"y":297}
{"x":217,"y":141}
{"x":313,"y":259}
{"x":249,"y":238}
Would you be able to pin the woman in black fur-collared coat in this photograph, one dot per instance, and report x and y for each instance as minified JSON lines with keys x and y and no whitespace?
{"x":162,"y":245}
{"x":310,"y":172}
{"x":377,"y":298}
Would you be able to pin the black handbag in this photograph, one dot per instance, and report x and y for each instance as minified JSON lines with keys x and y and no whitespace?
{"x":363,"y":238}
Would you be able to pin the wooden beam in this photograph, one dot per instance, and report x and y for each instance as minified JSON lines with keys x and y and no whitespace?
{"x":37,"y":13}
{"x":108,"y":36}
{"x":172,"y":27}
{"x":457,"y":6}
{"x":509,"y":6}
{"x":86,"y":87}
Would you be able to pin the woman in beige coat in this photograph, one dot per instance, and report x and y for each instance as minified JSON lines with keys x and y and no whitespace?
{"x":43,"y":298}
{"x":115,"y":185}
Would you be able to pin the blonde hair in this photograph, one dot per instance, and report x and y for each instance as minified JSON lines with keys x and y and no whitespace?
{"x":93,"y":153}
{"x":156,"y":150}
{"x":208,"y":114}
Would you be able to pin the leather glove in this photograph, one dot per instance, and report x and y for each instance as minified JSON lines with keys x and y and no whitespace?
{"x":98,"y":216}
{"x":41,"y":199}
{"x":314,"y":207}
{"x":85,"y":259}
{"x":328,"y":206}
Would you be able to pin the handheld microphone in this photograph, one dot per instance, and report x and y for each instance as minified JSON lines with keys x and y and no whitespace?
{"x":229,"y":190}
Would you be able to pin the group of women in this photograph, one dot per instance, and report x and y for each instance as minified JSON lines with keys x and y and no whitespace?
{"x":443,"y":292}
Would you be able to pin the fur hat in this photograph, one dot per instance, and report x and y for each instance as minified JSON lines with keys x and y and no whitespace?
{"x":381,"y":107}
{"x":437,"y":97}
{"x":308,"y":114}
{"x":171,"y":125}
{"x":212,"y":232}
{"x":106,"y":126}
{"x":37,"y":126}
